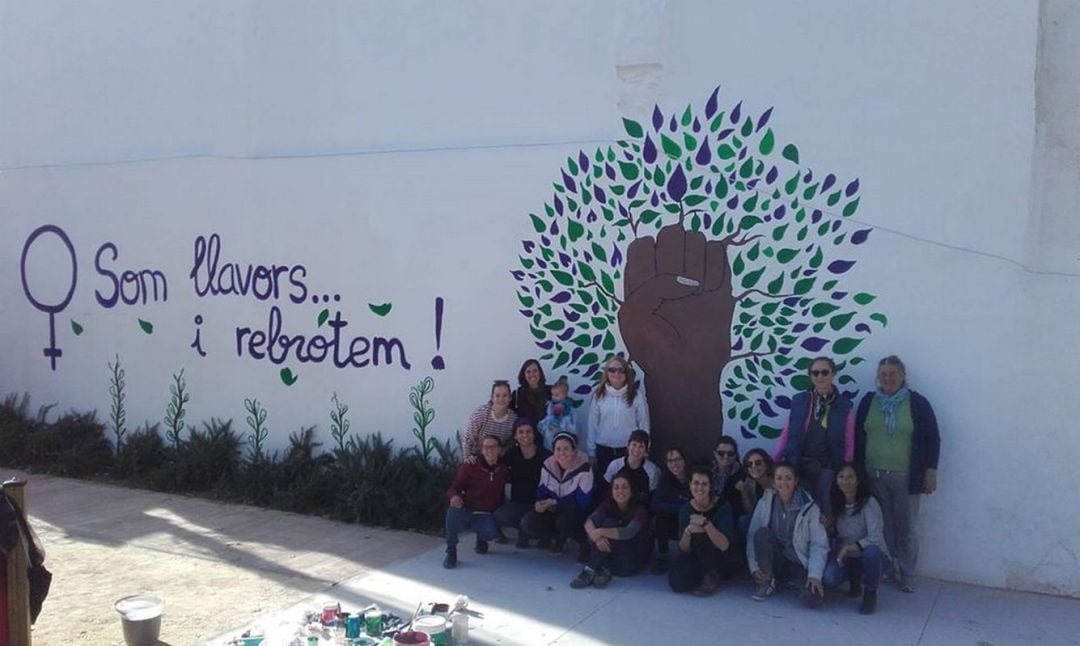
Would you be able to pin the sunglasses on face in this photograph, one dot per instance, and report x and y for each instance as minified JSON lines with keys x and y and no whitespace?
{"x":724,"y":454}
{"x":616,"y":370}
{"x":820,"y":373}
{"x":755,"y":463}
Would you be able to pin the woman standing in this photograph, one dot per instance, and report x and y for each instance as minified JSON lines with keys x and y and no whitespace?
{"x":619,"y":540}
{"x":671,"y":494}
{"x":858,"y":548}
{"x":532,"y":395}
{"x":525,"y":459}
{"x":787,"y":540}
{"x":617,"y":409}
{"x":899,"y":443}
{"x":820,"y":433}
{"x":493,"y":418}
{"x":562,"y":498}
{"x":706,"y":529}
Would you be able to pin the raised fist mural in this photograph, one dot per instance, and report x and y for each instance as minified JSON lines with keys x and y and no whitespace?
{"x":708,"y":257}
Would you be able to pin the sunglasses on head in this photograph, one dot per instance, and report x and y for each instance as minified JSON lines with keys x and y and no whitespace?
{"x":725,"y":454}
{"x":825,"y":372}
{"x":616,"y":369}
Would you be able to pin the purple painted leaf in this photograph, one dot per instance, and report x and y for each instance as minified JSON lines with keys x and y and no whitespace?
{"x":763,"y":405}
{"x":526,"y":313}
{"x":541,"y":263}
{"x":809,"y":177}
{"x":736,"y":113}
{"x":564,"y":259}
{"x":591,"y":370}
{"x":814,"y":344}
{"x":815,"y":217}
{"x":554,"y":228}
{"x":528,"y":245}
{"x":546,"y":241}
{"x":655,"y":199}
{"x":780,"y":212}
{"x":711,"y":104}
{"x":569,"y":182}
{"x":851,"y":394}
{"x":733,"y":202}
{"x":742,"y":154}
{"x":791,"y":301}
{"x":727,"y":393}
{"x":752,"y":183}
{"x":616,"y":256}
{"x":771,"y":176}
{"x":518,"y":274}
{"x":558,"y":205}
{"x":595,"y":307}
{"x":649,"y":152}
{"x":708,"y":187}
{"x":628,"y":155}
{"x":860,"y":236}
{"x":799,"y":327}
{"x":583,"y":389}
{"x":609,"y":171}
{"x":840,"y":266}
{"x":599,"y":194}
{"x":783,"y":401}
{"x":572,"y":316}
{"x":862,"y":327}
{"x":836,"y":225}
{"x":623,"y":212}
{"x":576,"y":354}
{"x":561,"y":297}
{"x":596,"y":339}
{"x":808,"y":272}
{"x":546,"y":345}
{"x":673,"y":125}
{"x":708,"y":220}
{"x":852,"y":187}
{"x":830,"y":179}
{"x":763,"y":119}
{"x":632,"y":191}
{"x":697,"y":125}
{"x":704,"y":155}
{"x":591,"y":217}
{"x":838,"y":296}
{"x":567,"y":333}
{"x":746,"y":433}
{"x":657,"y":118}
{"x":676,"y":185}
{"x":724,"y":133}
{"x":738,"y":345}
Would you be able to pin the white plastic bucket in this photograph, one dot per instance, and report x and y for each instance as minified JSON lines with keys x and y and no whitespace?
{"x":140,"y":616}
{"x":434,"y":626}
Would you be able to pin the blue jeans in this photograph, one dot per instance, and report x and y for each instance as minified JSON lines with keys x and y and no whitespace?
{"x":459,"y":518}
{"x":868,"y":562}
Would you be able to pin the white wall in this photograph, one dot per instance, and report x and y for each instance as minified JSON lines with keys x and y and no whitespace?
{"x":395,"y":151}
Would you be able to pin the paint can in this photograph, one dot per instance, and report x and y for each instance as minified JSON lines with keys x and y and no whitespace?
{"x":434,"y":626}
{"x":412,"y":638}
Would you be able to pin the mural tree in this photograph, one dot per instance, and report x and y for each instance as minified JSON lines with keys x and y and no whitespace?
{"x":710,"y":256}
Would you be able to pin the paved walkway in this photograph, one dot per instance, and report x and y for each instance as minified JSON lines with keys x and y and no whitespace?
{"x":222,"y":568}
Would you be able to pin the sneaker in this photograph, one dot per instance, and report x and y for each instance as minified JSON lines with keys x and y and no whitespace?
{"x":660,"y":564}
{"x":450,"y":562}
{"x":763,"y":590}
{"x":710,"y":583}
{"x":906,"y":584}
{"x":584,"y":579}
{"x":602,"y":578}
{"x":544,"y":543}
{"x":869,"y":602}
{"x":558,"y":545}
{"x":522,"y":541}
{"x":501,"y":538}
{"x":481,"y":546}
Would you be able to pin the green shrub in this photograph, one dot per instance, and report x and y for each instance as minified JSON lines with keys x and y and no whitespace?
{"x":208,"y":460}
{"x":143,"y":457}
{"x":73,"y":445}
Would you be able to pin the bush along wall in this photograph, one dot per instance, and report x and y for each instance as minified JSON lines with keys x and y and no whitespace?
{"x":357,"y":479}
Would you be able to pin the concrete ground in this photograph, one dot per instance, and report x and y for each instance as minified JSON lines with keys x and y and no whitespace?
{"x":223,"y":568}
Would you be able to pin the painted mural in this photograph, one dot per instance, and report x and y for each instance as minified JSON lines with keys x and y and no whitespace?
{"x":711,"y":255}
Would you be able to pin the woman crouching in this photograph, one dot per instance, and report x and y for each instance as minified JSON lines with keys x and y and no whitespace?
{"x":787,"y":541}
{"x":706,"y":529}
{"x":859,"y":546}
{"x":619,"y":537}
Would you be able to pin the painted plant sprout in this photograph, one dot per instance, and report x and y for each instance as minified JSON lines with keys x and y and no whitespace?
{"x":718,"y":256}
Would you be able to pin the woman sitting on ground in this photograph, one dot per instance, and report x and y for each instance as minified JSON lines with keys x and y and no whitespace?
{"x":727,"y":472}
{"x":532,"y":394}
{"x":787,"y":541}
{"x":494,"y":418}
{"x":706,"y":529}
{"x":757,"y":477}
{"x":671,"y":494}
{"x":525,"y":459}
{"x":859,"y":545}
{"x":619,"y":537}
{"x":562,"y":498}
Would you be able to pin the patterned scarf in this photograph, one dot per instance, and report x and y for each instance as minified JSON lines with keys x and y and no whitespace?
{"x":821,"y":406}
{"x":889,"y":404}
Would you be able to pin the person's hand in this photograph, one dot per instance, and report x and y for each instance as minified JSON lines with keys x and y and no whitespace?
{"x":760,"y":576}
{"x":930,"y":481}
{"x":740,"y":485}
{"x":695,"y":529}
{"x":697,"y":520}
{"x":814,"y":585}
{"x":456,"y":501}
{"x":470,"y":459}
{"x":846,"y":552}
{"x":603,"y":544}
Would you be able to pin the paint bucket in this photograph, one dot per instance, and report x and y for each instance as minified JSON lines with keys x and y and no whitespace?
{"x":140,"y":616}
{"x":434,"y":626}
{"x":412,"y":638}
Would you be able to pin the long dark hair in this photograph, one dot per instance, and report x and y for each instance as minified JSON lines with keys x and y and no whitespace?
{"x":862,"y":491}
{"x":521,"y":373}
{"x":765,"y":457}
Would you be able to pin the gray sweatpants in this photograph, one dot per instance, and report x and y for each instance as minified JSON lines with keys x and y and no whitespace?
{"x":900,"y":509}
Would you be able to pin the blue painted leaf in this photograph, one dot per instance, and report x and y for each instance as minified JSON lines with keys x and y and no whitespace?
{"x":583,"y":160}
{"x":746,"y":434}
{"x":830,"y":179}
{"x":657,"y":118}
{"x":711,"y":104}
{"x":648,"y":153}
{"x":736,"y":113}
{"x":784,"y":402}
{"x":704,"y":156}
{"x":852,"y":187}
{"x":763,"y":404}
{"x":676,"y":186}
{"x":840,"y":266}
{"x":561,"y":297}
{"x":814,"y":344}
{"x":569,"y":182}
{"x":860,"y":236}
{"x":763,"y":119}
{"x":583,"y":389}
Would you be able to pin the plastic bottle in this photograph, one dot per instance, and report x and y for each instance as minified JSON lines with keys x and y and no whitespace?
{"x":460,"y":628}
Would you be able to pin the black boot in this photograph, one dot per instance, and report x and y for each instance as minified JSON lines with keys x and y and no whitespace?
{"x":450,"y":562}
{"x":869,"y":602}
{"x":481,"y":546}
{"x":854,"y":584}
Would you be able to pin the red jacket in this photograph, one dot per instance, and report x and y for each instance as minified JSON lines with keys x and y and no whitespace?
{"x":479,"y":485}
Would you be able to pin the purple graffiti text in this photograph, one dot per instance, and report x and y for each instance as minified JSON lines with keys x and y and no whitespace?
{"x":359,"y":352}
{"x":130,"y":287}
{"x":211,"y":277}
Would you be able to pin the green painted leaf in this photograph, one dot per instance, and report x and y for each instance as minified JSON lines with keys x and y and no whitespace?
{"x":784,"y":256}
{"x":687,"y":117}
{"x":76,"y":328}
{"x":599,"y":322}
{"x":750,"y":204}
{"x":851,"y":207}
{"x":845,"y":345}
{"x":739,"y":265}
{"x":287,"y":376}
{"x":648,"y":215}
{"x":689,"y":142}
{"x":778,"y":232}
{"x":803,"y":286}
{"x":880,"y":318}
{"x":800,"y":382}
{"x":823,"y":309}
{"x":725,"y":151}
{"x":747,"y":168}
{"x":747,"y":127}
{"x":862,"y":298}
{"x":834,"y":198}
{"x":609,"y":341}
{"x":694,"y":200}
{"x":670,"y":146}
{"x":809,"y":193}
{"x":633,"y":128}
{"x":380,"y":310}
{"x":563,"y":277}
{"x":792,"y":184}
{"x":575,"y":230}
{"x":555,"y":325}
{"x":817,"y":259}
{"x":774,"y":287}
{"x":838,"y":322}
{"x":146,"y":326}
{"x":564,"y":357}
{"x":749,"y":221}
{"x":629,"y":171}
{"x":538,"y":224}
{"x":769,"y":432}
{"x":586,"y":271}
{"x":752,"y":278}
{"x":607,"y":282}
{"x":767,"y":142}
{"x":791,"y":153}
{"x":721,"y":189}
{"x":325,"y":314}
{"x":537,"y":333}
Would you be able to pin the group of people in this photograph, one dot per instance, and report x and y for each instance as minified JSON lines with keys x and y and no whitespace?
{"x":835,"y":502}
